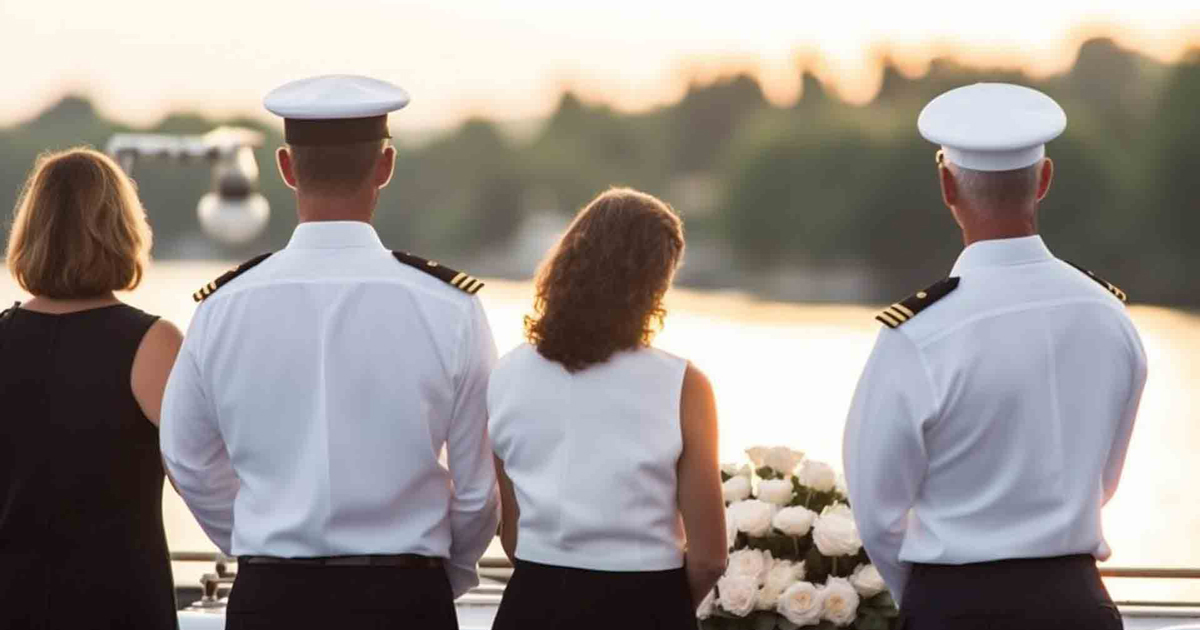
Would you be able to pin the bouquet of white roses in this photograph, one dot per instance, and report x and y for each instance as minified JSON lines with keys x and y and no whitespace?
{"x":796,"y":559}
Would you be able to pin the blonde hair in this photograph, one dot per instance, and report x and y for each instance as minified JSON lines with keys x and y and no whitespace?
{"x":78,"y":229}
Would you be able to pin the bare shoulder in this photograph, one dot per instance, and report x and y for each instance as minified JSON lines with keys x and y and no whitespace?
{"x":697,"y":404}
{"x":696,"y":383}
{"x":152,"y":365}
{"x":163,"y":336}
{"x":157,"y":350}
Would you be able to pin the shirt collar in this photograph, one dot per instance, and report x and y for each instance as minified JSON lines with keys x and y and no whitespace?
{"x":1002,"y":252}
{"x":334,"y":235}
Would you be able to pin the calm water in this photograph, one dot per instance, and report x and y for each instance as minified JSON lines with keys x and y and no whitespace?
{"x":785,"y":374}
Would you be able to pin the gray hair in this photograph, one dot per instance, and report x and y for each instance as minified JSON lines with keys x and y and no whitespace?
{"x":998,"y":190}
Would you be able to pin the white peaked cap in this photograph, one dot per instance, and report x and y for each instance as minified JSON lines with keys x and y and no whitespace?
{"x":992,"y":126}
{"x":335,"y":96}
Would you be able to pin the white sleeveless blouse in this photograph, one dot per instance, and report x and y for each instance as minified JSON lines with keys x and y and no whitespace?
{"x":592,"y":457}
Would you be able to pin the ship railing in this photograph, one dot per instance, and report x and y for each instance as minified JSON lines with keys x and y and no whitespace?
{"x":497,"y":571}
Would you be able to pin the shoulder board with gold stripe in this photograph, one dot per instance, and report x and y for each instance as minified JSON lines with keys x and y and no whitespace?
{"x":224,"y":278}
{"x":1112,"y":288}
{"x":457,"y":279}
{"x":908,"y":308}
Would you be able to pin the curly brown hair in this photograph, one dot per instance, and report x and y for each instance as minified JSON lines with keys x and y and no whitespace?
{"x":600,"y":289}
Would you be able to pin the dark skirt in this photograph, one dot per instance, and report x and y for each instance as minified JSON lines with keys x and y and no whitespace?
{"x":551,"y":597}
{"x":342,"y":597}
{"x":1063,"y":593}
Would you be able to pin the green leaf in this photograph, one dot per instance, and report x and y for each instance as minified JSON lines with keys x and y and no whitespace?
{"x":766,"y":472}
{"x":784,"y":624}
{"x":816,"y":566}
{"x":870,"y":622}
{"x":725,"y":476}
{"x":884,"y":603}
{"x":764,"y":620}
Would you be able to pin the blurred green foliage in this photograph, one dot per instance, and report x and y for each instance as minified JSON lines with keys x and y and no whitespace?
{"x":818,"y":187}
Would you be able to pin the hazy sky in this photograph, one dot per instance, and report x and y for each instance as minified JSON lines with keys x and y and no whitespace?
{"x":142,"y":58}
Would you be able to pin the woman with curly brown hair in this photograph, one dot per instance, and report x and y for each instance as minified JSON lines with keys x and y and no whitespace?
{"x":606,"y":448}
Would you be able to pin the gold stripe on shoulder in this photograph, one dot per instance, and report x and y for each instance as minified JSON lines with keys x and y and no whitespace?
{"x":887,"y":318}
{"x":896,"y":313}
{"x":458,"y":278}
{"x":903,"y":309}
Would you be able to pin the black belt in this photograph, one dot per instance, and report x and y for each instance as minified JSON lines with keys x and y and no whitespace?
{"x":402,"y":560}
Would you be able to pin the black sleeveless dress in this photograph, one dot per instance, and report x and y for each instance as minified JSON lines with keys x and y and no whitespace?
{"x":81,"y":478}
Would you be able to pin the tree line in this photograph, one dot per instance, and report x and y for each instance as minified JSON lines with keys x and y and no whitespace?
{"x":768,"y":194}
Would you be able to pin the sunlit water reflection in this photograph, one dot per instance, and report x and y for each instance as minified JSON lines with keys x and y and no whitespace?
{"x":785,"y":373}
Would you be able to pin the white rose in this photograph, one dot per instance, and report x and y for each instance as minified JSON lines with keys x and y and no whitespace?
{"x":736,"y":489}
{"x":777,"y":491}
{"x":783,"y":574}
{"x":867,"y":581}
{"x":782,"y":459}
{"x":705,"y":609}
{"x":731,"y":529}
{"x":750,"y":563}
{"x":736,"y":470}
{"x":835,"y":533}
{"x":817,"y":475}
{"x":801,"y":604}
{"x":737,"y":594}
{"x":758,"y":455}
{"x":840,"y":604}
{"x":753,"y":516}
{"x":840,"y":509}
{"x":794,"y":521}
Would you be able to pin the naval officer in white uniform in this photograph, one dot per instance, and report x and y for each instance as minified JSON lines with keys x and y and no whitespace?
{"x":318,"y":388}
{"x":992,"y":420}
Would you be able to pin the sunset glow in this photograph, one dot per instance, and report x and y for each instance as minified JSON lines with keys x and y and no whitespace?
{"x":511,"y":61}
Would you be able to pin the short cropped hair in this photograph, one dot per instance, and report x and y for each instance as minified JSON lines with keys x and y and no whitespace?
{"x":999,"y":189}
{"x":335,"y":168}
{"x":601,"y":289}
{"x":78,"y":228}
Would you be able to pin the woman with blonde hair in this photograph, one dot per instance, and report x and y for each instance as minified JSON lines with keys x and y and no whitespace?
{"x":606,"y":448}
{"x":81,"y":382}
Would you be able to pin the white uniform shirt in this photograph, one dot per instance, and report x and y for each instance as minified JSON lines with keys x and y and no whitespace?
{"x":994,"y":424}
{"x":593,"y":458}
{"x":313,"y":395}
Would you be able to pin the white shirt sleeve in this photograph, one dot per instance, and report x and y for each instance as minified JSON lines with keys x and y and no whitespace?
{"x":1116,"y":456}
{"x":884,"y":452}
{"x":193,"y":449}
{"x":475,"y":507}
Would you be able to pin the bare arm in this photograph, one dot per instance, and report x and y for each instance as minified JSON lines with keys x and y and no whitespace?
{"x":510,"y":512}
{"x":151,"y":368}
{"x":700,"y":501}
